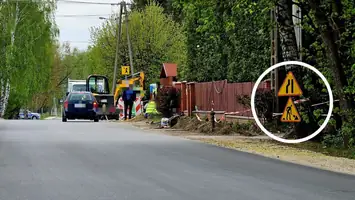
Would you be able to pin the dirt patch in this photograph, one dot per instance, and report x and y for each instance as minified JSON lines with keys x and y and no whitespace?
{"x":221,"y":128}
{"x":144,"y":124}
{"x":193,"y":126}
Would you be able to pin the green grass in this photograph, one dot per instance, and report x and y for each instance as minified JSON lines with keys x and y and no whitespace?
{"x":45,"y":115}
{"x":329,"y":151}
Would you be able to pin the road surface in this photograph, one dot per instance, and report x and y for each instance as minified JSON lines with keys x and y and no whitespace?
{"x":51,"y":160}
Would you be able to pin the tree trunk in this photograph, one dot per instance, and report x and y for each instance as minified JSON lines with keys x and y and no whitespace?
{"x":287,"y":31}
{"x":7,"y":81}
{"x":290,"y":52}
{"x":330,"y":32}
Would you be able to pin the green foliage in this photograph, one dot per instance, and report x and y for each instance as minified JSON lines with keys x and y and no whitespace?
{"x":28,"y":46}
{"x":335,"y":141}
{"x":226,"y":39}
{"x":155,"y":39}
{"x":322,"y":52}
{"x":168,"y":5}
{"x":264,"y":99}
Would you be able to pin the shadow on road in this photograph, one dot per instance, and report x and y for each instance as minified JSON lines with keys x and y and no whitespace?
{"x":80,"y":121}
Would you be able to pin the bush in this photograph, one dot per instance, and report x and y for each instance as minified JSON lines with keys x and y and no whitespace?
{"x":167,"y":99}
{"x":263,"y":102}
{"x":335,"y":141}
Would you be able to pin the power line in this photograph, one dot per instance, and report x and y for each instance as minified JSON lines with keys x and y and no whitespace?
{"x":27,"y":1}
{"x":62,"y":1}
{"x":93,"y":15}
{"x":78,"y":42}
{"x":87,"y":2}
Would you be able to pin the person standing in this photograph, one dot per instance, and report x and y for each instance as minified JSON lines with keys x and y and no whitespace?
{"x":129,"y":96}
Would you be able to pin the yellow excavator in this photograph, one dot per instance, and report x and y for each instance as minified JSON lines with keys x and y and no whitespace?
{"x":138,"y":82}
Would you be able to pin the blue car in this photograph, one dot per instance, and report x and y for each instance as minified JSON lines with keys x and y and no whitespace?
{"x":28,"y":115}
{"x":80,"y":105}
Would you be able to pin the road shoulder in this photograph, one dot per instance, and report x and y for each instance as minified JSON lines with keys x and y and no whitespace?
{"x":261,"y":145}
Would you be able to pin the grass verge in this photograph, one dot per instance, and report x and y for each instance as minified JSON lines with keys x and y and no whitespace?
{"x":317,"y":147}
{"x":45,"y":115}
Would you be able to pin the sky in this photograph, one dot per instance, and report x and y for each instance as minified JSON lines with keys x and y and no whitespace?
{"x":76,"y":29}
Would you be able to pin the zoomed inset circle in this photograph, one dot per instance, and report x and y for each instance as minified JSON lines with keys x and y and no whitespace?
{"x":330,"y":102}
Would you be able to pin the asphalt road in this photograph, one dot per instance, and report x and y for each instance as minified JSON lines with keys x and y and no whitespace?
{"x":51,"y":160}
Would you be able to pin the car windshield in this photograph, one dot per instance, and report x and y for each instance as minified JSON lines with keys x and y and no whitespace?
{"x":79,"y":87}
{"x":79,"y":97}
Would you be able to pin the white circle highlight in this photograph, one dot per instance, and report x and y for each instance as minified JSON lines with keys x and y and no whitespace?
{"x":331,"y":102}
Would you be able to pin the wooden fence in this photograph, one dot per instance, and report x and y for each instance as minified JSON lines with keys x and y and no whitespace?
{"x":220,"y":96}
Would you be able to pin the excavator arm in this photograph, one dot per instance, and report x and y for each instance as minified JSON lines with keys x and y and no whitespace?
{"x":131,"y":80}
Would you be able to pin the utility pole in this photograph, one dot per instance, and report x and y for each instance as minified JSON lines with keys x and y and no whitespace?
{"x":128,"y":40}
{"x":279,"y":74}
{"x":274,"y":57}
{"x":119,"y":30}
{"x":123,"y":8}
{"x":297,"y":20}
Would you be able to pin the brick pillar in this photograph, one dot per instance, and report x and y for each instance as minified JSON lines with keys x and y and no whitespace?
{"x":188,"y":103}
{"x":193,"y":97}
{"x":190,"y":98}
{"x":183,"y":96}
{"x":177,"y":85}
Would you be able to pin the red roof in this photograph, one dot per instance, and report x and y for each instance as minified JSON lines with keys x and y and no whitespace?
{"x":168,"y":70}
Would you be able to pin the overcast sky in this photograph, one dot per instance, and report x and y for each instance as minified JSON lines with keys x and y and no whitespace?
{"x":76,"y":29}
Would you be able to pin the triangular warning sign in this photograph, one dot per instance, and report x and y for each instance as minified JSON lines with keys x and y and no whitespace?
{"x":290,"y":113}
{"x":290,"y":86}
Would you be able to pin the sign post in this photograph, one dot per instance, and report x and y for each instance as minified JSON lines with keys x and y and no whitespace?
{"x":290,"y":88}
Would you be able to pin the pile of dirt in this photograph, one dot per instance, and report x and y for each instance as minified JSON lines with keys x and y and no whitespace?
{"x":182,"y":122}
{"x":204,"y":126}
{"x":192,"y":124}
{"x":225,"y":128}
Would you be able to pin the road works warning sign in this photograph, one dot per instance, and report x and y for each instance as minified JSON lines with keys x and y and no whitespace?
{"x":125,"y":70}
{"x":290,"y":87}
{"x":290,"y":113}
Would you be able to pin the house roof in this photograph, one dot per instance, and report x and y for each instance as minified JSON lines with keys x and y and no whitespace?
{"x":168,"y":70}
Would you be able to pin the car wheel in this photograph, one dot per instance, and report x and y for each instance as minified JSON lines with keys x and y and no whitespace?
{"x":96,"y":119}
{"x":64,"y":119}
{"x":34,"y":118}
